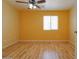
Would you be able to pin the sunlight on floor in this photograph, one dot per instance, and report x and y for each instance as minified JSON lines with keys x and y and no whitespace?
{"x":50,"y":55}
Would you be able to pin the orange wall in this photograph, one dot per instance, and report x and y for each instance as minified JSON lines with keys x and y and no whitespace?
{"x":31,"y":23}
{"x":10,"y":25}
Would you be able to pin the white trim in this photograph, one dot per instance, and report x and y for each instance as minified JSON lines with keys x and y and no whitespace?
{"x":43,"y":40}
{"x":9,"y":45}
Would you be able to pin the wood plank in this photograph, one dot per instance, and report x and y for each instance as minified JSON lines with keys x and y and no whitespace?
{"x":36,"y":50}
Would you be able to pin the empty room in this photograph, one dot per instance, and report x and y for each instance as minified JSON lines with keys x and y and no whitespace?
{"x":39,"y":29}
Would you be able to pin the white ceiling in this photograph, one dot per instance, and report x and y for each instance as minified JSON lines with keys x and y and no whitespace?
{"x":49,"y":5}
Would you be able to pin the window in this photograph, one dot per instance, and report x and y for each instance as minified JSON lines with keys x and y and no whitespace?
{"x":50,"y":22}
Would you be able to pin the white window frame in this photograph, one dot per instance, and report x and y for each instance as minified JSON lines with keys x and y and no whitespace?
{"x":50,"y":22}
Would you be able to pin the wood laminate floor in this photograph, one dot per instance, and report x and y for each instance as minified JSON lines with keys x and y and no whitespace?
{"x":40,"y":51}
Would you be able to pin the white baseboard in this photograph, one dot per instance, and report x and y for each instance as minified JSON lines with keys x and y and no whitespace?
{"x":43,"y":40}
{"x":10,"y":44}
